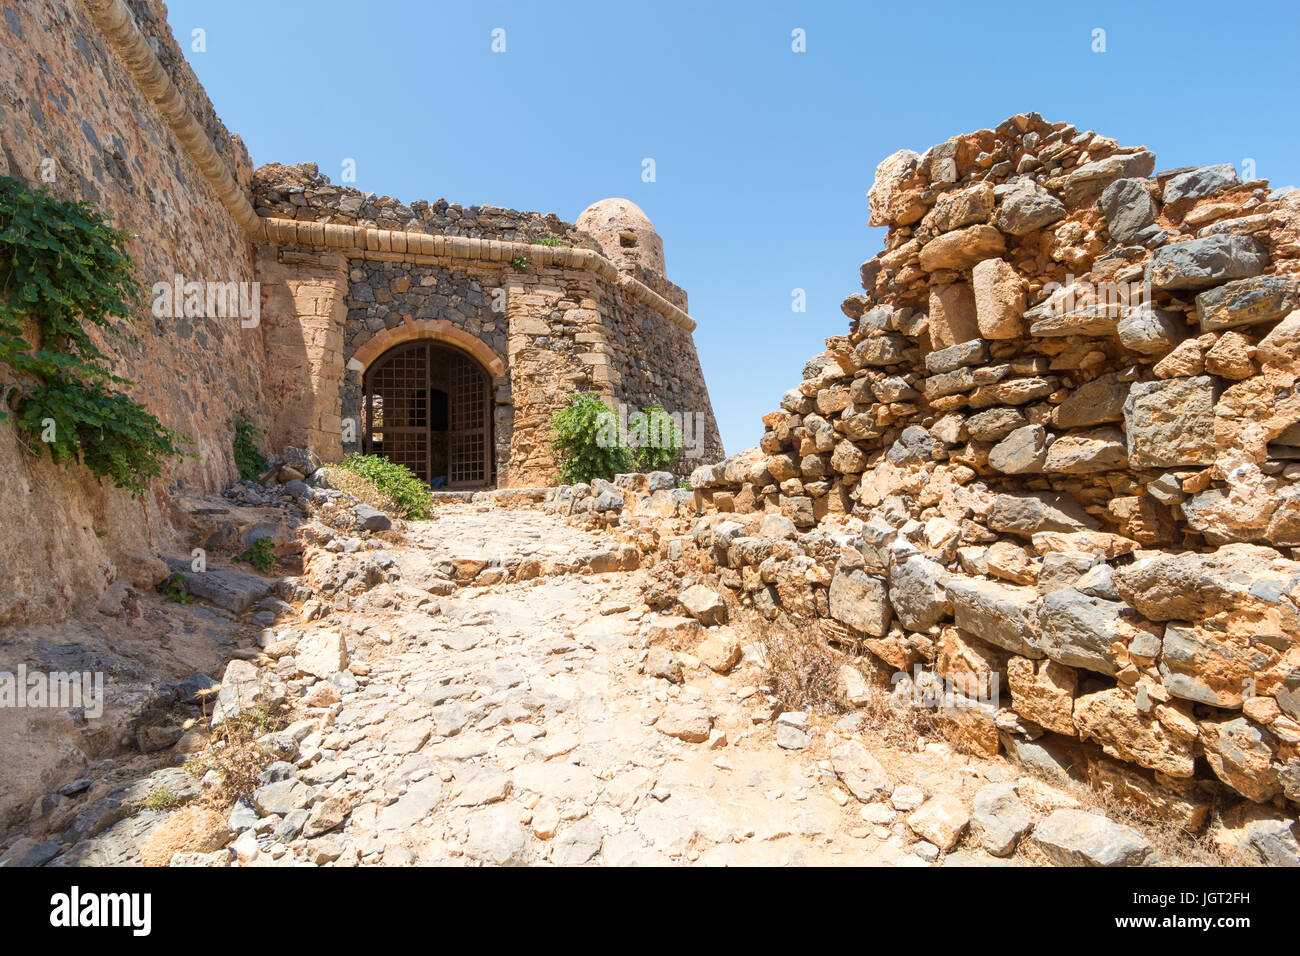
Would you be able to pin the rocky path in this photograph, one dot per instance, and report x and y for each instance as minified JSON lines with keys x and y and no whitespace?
{"x":517,"y":724}
{"x":549,"y":717}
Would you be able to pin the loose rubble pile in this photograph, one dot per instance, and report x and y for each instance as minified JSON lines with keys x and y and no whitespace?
{"x":1060,"y":445}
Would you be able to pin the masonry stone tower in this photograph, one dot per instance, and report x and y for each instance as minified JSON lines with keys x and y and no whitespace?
{"x":625,"y":233}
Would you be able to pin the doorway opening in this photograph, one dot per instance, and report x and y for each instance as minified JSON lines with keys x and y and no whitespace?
{"x":428,"y":406}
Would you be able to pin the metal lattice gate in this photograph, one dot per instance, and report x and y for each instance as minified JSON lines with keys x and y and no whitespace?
{"x":429,"y":408}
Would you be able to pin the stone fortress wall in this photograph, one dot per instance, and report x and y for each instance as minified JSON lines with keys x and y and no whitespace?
{"x":578,"y":318}
{"x":101,"y":88}
{"x":76,"y":120}
{"x":1092,"y":491}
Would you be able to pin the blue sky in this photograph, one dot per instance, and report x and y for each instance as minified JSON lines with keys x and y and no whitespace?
{"x":763,"y":156}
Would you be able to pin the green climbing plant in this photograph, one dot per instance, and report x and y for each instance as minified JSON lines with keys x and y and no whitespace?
{"x":63,"y":272}
{"x":248,"y":459}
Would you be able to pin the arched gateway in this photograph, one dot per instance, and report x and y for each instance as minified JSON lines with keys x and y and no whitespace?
{"x":428,"y":406}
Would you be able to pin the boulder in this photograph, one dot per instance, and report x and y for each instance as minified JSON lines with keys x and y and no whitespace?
{"x":917,"y":593}
{"x":1002,"y":614}
{"x":999,"y":299}
{"x":860,"y":771}
{"x":1078,"y":838}
{"x":999,"y":818}
{"x":942,"y":820}
{"x":1200,"y":182}
{"x":1130,"y":210}
{"x":1082,"y":631}
{"x":704,"y":604}
{"x":1247,"y":302}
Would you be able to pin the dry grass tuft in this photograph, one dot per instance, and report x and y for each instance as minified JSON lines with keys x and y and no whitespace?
{"x":364,"y":491}
{"x":799,"y":665}
{"x":232,"y":752}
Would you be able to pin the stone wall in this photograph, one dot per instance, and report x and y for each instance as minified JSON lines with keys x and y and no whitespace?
{"x":70,"y":99}
{"x":1092,"y":491}
{"x":388,"y":296}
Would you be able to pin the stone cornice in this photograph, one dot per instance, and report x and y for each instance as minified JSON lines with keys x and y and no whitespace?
{"x":118,"y":26}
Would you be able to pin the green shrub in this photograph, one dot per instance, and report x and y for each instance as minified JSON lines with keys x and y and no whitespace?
{"x":396,"y":481}
{"x":586,"y":441}
{"x":520,"y":263}
{"x":260,"y":554}
{"x":656,"y":439}
{"x":176,"y":590}
{"x":64,"y":269}
{"x":250,"y":462}
{"x":550,"y":239}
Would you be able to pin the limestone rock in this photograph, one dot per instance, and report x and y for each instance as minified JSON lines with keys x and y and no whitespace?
{"x":942,"y":820}
{"x":1241,"y":755}
{"x":719,"y":651}
{"x":1129,"y":209}
{"x":1247,"y":302}
{"x":1023,"y":451}
{"x":1002,"y":614}
{"x":999,"y":818}
{"x":999,"y":299}
{"x":962,"y":248}
{"x":1151,"y":331}
{"x":686,"y":721}
{"x":704,"y":604}
{"x":1044,"y":691}
{"x":860,"y":601}
{"x":1077,"y":838}
{"x":1200,"y":263}
{"x":321,"y":653}
{"x":1171,"y":423}
{"x":860,"y":771}
{"x":1026,"y":208}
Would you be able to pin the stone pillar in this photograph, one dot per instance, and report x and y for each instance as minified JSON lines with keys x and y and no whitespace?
{"x":303,"y":310}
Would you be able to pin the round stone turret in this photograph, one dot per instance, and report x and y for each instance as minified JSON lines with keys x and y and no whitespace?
{"x":625,"y":234}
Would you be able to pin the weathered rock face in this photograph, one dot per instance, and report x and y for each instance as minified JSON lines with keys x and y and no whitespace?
{"x":1070,"y":388}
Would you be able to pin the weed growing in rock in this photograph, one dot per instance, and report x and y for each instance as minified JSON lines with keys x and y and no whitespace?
{"x":176,"y":590}
{"x":364,"y":490}
{"x":248,"y":459}
{"x":550,"y":239}
{"x":260,"y":554}
{"x":520,"y":263}
{"x":397,"y":482}
{"x":64,"y":270}
{"x":164,"y":798}
{"x":233,"y":752}
{"x":660,"y":443}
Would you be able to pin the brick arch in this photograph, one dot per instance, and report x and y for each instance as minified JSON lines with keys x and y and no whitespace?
{"x":438,"y":329}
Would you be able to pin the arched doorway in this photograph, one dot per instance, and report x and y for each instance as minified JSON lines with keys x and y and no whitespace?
{"x":429,"y":407}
